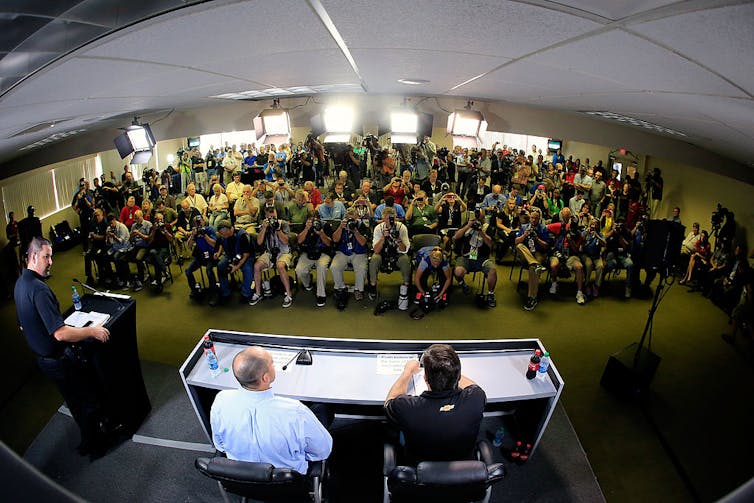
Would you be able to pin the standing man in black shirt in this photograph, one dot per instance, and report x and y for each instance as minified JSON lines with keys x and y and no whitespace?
{"x":40,"y":321}
{"x":442,"y":423}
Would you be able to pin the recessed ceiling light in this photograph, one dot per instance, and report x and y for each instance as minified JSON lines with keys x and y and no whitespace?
{"x":633,"y":121}
{"x":413,"y":82}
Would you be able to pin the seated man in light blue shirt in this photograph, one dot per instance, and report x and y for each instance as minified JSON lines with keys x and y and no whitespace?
{"x":400,"y":213}
{"x":252,"y":424}
{"x":331,"y":209}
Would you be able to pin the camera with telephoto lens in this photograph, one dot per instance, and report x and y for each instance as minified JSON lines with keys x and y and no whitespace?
{"x":200,"y":232}
{"x":476,"y":225}
{"x":718,"y":216}
{"x":235,"y":260}
{"x":273,"y":223}
{"x":317,"y":225}
{"x":352,"y":224}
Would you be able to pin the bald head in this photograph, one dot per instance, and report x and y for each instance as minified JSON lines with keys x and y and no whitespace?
{"x":253,"y":368}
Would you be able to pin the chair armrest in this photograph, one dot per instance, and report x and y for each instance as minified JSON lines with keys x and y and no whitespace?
{"x":495,"y":472}
{"x":484,"y":451}
{"x":201,"y":464}
{"x":388,"y":459}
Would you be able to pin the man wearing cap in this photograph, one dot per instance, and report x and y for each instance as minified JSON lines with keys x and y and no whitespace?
{"x":350,"y":240}
{"x":167,"y":198}
{"x":205,"y":238}
{"x":332,"y":209}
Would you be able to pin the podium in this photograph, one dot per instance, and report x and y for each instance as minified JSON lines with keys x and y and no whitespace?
{"x":116,"y":363}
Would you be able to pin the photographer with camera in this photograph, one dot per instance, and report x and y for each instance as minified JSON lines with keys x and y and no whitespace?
{"x":473,"y":248}
{"x":246,"y":209}
{"x":131,"y":188}
{"x":273,"y":242}
{"x":205,"y":238}
{"x":618,"y":246}
{"x":159,"y":240}
{"x":237,"y":251}
{"x":83,"y":205}
{"x":140,"y":232}
{"x":350,"y":243}
{"x":186,"y":220}
{"x":506,"y":224}
{"x":591,"y":257}
{"x":539,"y":200}
{"x":97,"y":252}
{"x":478,"y":190}
{"x":298,"y":210}
{"x":315,"y":244}
{"x":449,"y":210}
{"x":433,"y":187}
{"x":390,"y":244}
{"x":566,"y":249}
{"x":431,"y":260}
{"x":282,"y":192}
{"x":421,"y":217}
{"x":118,"y":239}
{"x":532,"y":242}
{"x":395,"y":189}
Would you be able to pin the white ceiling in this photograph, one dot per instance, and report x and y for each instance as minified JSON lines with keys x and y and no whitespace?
{"x":684,"y":65}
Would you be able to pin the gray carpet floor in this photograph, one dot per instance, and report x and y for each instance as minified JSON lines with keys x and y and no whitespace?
{"x":137,"y":471}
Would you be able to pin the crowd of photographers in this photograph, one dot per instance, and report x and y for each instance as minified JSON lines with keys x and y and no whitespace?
{"x":250,"y":215}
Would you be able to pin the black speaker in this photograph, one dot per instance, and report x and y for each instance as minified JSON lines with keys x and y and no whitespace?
{"x":629,"y":376}
{"x":662,"y":245}
{"x":318,"y":125}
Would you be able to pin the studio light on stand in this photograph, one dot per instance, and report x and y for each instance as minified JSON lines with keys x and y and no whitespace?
{"x":466,"y":126}
{"x":404,"y":125}
{"x":338,"y":122}
{"x":273,"y":126}
{"x":136,"y":139}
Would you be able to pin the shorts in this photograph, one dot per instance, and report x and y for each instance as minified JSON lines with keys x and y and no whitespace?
{"x":265,"y":260}
{"x":474,"y":265}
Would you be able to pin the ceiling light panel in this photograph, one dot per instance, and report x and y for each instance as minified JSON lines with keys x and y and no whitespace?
{"x":632,"y":121}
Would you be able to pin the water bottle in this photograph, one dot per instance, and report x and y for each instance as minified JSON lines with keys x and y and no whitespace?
{"x":209,"y":352}
{"x":531,"y":371}
{"x":544,"y":365}
{"x":499,"y":434}
{"x":76,"y":298}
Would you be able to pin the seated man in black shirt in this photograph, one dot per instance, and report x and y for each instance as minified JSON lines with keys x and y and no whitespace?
{"x":442,"y":423}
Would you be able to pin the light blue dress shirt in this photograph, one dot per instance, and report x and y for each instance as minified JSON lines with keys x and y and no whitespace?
{"x":260,"y":427}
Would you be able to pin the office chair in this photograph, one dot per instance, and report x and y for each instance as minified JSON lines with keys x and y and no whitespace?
{"x":441,"y":481}
{"x":262,"y":481}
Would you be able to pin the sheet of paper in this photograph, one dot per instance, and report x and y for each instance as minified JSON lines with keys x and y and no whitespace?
{"x":280,"y":358}
{"x":418,"y":385}
{"x":388,"y":364}
{"x":98,"y":318}
{"x":77,"y":319}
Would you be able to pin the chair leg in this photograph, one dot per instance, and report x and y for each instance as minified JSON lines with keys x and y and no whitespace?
{"x":385,"y":491}
{"x":487,"y":495}
{"x":222,"y":491}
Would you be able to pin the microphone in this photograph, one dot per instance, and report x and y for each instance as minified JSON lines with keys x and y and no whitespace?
{"x":102,"y":294}
{"x":302,"y":357}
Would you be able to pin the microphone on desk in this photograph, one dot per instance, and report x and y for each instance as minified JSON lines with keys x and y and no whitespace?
{"x":302,"y":357}
{"x":102,"y":294}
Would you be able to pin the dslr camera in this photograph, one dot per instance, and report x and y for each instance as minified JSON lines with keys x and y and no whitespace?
{"x":273,"y":223}
{"x":317,"y":225}
{"x":352,"y":224}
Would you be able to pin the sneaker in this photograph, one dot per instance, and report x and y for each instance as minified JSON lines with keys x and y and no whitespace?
{"x":530,"y":304}
{"x":371,"y":291}
{"x":138,"y":285}
{"x":308,"y":287}
{"x":580,"y":298}
{"x":491,"y":302}
{"x":321,"y":301}
{"x":127,"y":286}
{"x":466,"y":288}
{"x":155,"y":284}
{"x":287,"y":301}
{"x":588,"y":291}
{"x":553,"y":288}
{"x":628,"y":292}
{"x":255,"y":298}
{"x":212,"y":299}
{"x":595,"y":291}
{"x":358,"y":295}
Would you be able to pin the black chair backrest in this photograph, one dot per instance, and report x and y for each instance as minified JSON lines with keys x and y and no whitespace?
{"x":439,"y":481}
{"x":259,"y":481}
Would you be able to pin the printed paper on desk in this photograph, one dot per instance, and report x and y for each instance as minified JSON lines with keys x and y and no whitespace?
{"x":392,"y":364}
{"x":280,"y":358}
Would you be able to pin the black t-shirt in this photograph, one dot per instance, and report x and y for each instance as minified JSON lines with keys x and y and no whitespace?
{"x":439,"y":426}
{"x":38,"y":313}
